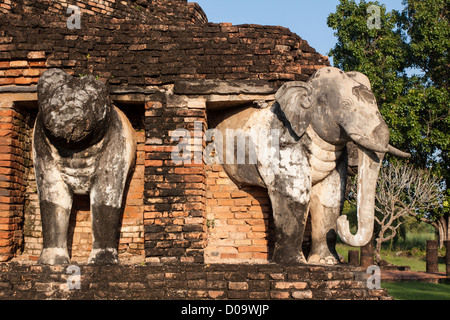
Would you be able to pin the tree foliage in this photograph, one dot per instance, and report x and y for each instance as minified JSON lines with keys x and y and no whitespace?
{"x":407,"y":61}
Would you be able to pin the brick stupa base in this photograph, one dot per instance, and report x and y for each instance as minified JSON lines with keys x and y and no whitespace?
{"x":188,"y":281}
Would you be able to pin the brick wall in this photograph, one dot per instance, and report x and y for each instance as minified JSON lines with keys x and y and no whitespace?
{"x":174,"y":217}
{"x":129,"y":52}
{"x":239,"y":220}
{"x":187,"y":282}
{"x":21,"y":72}
{"x":179,"y":11}
{"x":171,"y":208}
{"x":15,"y":161}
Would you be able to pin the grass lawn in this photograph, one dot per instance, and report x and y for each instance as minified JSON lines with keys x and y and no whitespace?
{"x":417,"y":290}
{"x":408,"y":290}
{"x":417,"y":263}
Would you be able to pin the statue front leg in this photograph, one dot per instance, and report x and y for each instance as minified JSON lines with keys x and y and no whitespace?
{"x":290,"y":214}
{"x":55,"y":201}
{"x":105,"y":234}
{"x":327,"y":199}
{"x":106,"y":222}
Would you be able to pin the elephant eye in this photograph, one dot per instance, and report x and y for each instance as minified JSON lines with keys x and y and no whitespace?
{"x":346,"y":104}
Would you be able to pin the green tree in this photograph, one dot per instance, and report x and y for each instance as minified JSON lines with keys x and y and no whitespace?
{"x":381,"y":54}
{"x":406,"y":59}
{"x":416,"y":40}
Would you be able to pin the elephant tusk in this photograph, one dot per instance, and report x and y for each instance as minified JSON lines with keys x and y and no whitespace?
{"x":394,"y":151}
{"x":365,"y":143}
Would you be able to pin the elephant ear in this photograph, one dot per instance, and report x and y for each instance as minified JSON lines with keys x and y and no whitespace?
{"x":295,"y":101}
{"x":360,"y":77}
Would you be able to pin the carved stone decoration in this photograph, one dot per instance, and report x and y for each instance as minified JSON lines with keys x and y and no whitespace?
{"x":300,"y":145}
{"x":82,"y":144}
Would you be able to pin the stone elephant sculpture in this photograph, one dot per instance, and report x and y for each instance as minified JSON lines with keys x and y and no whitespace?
{"x":82,"y":144}
{"x":307,"y":173}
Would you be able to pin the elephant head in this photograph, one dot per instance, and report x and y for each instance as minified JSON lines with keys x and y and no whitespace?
{"x":85,"y":112}
{"x":340,"y":107}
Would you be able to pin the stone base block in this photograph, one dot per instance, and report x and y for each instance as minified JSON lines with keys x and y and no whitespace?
{"x":186,"y":282}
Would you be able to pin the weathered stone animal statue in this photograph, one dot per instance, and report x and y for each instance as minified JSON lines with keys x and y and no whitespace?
{"x":314,"y":121}
{"x":81,"y":145}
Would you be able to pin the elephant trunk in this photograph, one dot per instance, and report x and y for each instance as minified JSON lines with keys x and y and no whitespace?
{"x":368,"y":170}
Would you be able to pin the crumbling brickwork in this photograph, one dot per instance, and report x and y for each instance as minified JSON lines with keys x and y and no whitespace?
{"x":143,"y":49}
{"x":174,"y":217}
{"x":152,"y":11}
{"x":187,"y":282}
{"x":239,"y":220}
{"x":15,"y":162}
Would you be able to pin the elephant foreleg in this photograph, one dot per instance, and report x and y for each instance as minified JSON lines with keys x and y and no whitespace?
{"x":290,"y":219}
{"x":55,"y":201}
{"x":105,"y":234}
{"x":327,"y":198}
{"x":105,"y":215}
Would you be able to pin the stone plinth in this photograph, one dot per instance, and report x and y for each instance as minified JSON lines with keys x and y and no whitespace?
{"x":187,"y":281}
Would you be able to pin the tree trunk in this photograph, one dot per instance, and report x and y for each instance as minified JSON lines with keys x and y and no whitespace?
{"x":440,"y":233}
{"x":447,"y":221}
{"x":367,"y":255}
{"x":443,"y":229}
{"x":379,"y":242}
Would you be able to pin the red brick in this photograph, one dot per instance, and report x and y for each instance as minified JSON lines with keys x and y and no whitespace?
{"x":243,"y":202}
{"x":31,"y":72}
{"x":221,"y":195}
{"x":260,"y":255}
{"x":153,"y":148}
{"x":153,"y":105}
{"x":7,"y":227}
{"x":18,"y":64}
{"x":238,"y":285}
{"x":194,"y":178}
{"x":239,"y":194}
{"x":23,"y":80}
{"x":8,"y":112}
{"x":14,"y":72}
{"x":6,"y":242}
{"x":36,"y":55}
{"x":6,"y":81}
{"x":252,"y":249}
{"x":256,"y":235}
{"x":228,"y":255}
{"x":153,"y":163}
{"x":4,"y":64}
{"x":279,"y":294}
{"x":191,"y":170}
{"x":37,"y":64}
{"x":6,"y":171}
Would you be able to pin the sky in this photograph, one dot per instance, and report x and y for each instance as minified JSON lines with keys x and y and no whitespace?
{"x":307,"y":18}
